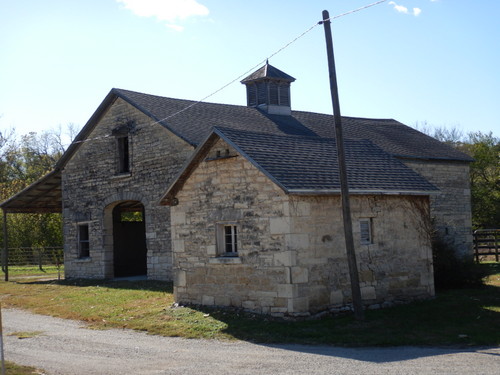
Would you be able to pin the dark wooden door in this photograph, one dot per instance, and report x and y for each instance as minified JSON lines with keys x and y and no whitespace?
{"x":130,"y":251}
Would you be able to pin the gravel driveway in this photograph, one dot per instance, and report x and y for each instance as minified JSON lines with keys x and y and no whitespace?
{"x":66,"y":347}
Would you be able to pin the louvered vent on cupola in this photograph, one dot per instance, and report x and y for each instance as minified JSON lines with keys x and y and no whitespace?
{"x":269,"y":89}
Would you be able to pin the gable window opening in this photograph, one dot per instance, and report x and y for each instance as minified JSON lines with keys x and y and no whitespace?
{"x":123,"y":155}
{"x":365,"y":228}
{"x":227,"y":240}
{"x":83,"y":241}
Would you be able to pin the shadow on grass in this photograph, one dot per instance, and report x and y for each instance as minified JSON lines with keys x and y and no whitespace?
{"x":492,"y":268}
{"x":464,"y":318}
{"x":459,"y":318}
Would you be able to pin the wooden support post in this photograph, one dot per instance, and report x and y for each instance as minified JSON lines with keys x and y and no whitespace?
{"x":5,"y":252}
{"x":344,"y":187}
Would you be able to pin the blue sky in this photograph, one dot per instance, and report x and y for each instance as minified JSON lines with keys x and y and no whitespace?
{"x":434,"y":61}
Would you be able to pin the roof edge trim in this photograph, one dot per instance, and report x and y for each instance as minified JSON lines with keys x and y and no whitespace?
{"x":361,"y":192}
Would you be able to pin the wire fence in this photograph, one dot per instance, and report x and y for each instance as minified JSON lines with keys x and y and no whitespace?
{"x":31,"y":261}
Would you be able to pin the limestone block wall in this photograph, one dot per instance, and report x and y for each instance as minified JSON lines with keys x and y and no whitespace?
{"x":451,"y":207}
{"x":92,"y":186}
{"x":291,"y":248}
{"x":230,"y":190}
{"x":394,"y":267}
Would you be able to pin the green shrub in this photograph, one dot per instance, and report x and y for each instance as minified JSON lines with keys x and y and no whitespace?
{"x":452,"y":271}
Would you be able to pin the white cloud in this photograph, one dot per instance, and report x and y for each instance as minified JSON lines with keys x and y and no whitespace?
{"x":170,"y":11}
{"x":175,"y":27}
{"x":403,"y":9}
{"x":399,"y":8}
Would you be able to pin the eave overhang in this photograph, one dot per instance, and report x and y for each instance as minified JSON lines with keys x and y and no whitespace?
{"x":42,"y":196}
{"x":360,"y":192}
{"x":169,"y":198}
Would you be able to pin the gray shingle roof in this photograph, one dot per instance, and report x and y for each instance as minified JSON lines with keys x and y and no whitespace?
{"x":194,"y":123}
{"x":270,"y":72}
{"x":309,"y":164}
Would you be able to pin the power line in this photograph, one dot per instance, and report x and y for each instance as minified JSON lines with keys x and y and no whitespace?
{"x":249,"y":70}
{"x":353,"y":11}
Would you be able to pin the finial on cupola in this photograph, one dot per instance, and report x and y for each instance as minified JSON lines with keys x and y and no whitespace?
{"x":268,"y":89}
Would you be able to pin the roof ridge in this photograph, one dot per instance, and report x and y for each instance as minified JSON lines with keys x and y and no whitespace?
{"x":347,"y":117}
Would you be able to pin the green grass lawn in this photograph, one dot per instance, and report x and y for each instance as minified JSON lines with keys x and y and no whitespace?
{"x":462,"y":317}
{"x":13,"y":369}
{"x":49,"y":271}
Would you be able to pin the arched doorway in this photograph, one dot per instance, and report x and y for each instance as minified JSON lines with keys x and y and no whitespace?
{"x":129,"y":239}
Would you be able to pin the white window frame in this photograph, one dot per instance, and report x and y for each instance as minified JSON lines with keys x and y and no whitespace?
{"x":366,"y":231}
{"x":83,"y":244}
{"x":227,"y":241}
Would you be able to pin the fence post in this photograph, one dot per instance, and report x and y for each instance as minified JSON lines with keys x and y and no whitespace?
{"x":496,"y":244}
{"x":476,"y":247}
{"x":39,"y":250}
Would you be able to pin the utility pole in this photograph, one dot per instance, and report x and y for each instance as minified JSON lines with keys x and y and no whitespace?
{"x":344,"y":187}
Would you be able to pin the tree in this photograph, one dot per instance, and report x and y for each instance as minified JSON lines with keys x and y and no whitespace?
{"x":451,"y":271}
{"x":484,"y":170}
{"x":485,"y":179}
{"x":23,"y":160}
{"x":452,"y":136}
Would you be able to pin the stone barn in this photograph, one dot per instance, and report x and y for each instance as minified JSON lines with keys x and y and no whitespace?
{"x":109,"y":183}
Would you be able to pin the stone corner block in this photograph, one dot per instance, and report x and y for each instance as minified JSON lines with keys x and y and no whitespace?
{"x":279,"y":225}
{"x":285,"y":258}
{"x":300,"y":275}
{"x":180,"y":278}
{"x":368,"y":292}
{"x":207,"y":300}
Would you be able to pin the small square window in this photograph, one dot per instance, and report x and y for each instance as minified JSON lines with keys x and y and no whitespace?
{"x":365,"y":229}
{"x":227,"y":240}
{"x":83,"y":241}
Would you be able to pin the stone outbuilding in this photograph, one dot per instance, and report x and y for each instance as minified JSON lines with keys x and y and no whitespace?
{"x":109,"y":183}
{"x":257,"y":223}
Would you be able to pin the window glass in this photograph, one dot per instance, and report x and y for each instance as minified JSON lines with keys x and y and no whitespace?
{"x":230,"y":239}
{"x":227,"y":239}
{"x":123,"y":155}
{"x":83,"y":241}
{"x":365,"y":228}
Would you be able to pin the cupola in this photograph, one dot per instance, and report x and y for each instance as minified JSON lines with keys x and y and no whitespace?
{"x":269,"y":89}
